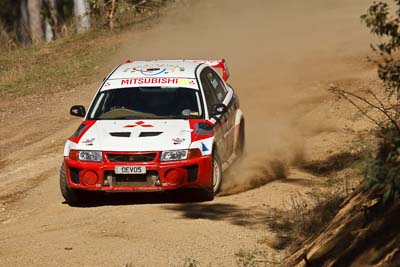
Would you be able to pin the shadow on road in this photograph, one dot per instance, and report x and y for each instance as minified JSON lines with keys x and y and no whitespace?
{"x":93,"y":199}
{"x":185,"y":203}
{"x":334,"y":163}
{"x":221,"y":212}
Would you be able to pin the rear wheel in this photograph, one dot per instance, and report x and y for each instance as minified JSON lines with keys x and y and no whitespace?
{"x":70,"y":195}
{"x":239,"y":150}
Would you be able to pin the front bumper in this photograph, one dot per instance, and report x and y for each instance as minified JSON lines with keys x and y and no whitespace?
{"x":160,"y":176}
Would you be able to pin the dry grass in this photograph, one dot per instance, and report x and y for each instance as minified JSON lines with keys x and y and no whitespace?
{"x":68,"y":62}
{"x":55,"y":66}
{"x":257,"y":258}
{"x":306,"y":215}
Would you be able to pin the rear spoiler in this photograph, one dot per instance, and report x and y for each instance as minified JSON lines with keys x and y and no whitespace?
{"x":219,"y":65}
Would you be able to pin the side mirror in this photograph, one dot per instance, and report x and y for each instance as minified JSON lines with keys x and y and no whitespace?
{"x":77,"y":110}
{"x":218,"y":109}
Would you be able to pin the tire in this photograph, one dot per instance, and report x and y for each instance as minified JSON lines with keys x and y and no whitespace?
{"x":216,"y":173}
{"x":239,"y":149}
{"x":70,"y":195}
{"x":207,"y":195}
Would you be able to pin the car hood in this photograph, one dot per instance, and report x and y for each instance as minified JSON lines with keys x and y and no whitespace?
{"x":137,"y":135}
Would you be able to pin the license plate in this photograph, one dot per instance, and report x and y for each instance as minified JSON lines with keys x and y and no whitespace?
{"x":130,"y":170}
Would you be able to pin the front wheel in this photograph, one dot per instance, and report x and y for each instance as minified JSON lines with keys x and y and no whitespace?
{"x":216,"y":173}
{"x":70,"y":195}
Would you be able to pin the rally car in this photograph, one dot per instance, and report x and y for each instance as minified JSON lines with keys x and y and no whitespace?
{"x":155,"y":126}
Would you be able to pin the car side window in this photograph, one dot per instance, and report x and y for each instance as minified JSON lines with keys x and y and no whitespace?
{"x":209,"y":92}
{"x":217,"y":84}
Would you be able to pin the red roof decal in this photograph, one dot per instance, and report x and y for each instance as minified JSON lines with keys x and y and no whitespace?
{"x":139,"y":123}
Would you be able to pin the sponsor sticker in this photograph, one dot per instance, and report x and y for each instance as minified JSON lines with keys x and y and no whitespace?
{"x":166,"y":81}
{"x":204,"y":147}
{"x":178,"y":141}
{"x":88,"y":142}
{"x":155,"y":69}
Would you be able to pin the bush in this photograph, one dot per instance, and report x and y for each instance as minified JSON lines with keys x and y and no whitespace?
{"x":382,"y":170}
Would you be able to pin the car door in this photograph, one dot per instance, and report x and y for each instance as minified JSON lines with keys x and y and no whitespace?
{"x":215,"y":92}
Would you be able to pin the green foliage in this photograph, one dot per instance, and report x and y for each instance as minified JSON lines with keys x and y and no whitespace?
{"x":114,"y":14}
{"x":383,"y":171}
{"x":380,"y":22}
{"x":105,"y":14}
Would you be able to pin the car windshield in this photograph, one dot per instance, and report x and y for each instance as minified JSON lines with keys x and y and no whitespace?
{"x":146,"y":103}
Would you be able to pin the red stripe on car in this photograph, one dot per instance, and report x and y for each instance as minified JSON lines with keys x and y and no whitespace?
{"x":88,"y":124}
{"x":196,"y":136}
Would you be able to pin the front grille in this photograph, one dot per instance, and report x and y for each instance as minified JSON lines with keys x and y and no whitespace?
{"x":148,"y":179}
{"x":131,"y":157}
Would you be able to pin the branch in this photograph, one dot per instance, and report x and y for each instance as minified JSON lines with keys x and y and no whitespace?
{"x":340,"y":93}
{"x":383,"y":110}
{"x":140,"y":3}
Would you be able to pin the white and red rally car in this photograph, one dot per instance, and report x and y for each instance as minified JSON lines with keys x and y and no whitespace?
{"x":155,"y":126}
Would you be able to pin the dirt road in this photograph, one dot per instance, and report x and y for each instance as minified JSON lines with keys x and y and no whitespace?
{"x":282,"y":56}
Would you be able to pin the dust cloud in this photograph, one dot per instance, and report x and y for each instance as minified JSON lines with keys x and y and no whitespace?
{"x":279,"y":67}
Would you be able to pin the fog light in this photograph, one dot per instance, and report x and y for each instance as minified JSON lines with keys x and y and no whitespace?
{"x":173,"y":176}
{"x":108,"y":180}
{"x":155,"y":179}
{"x":89,"y":178}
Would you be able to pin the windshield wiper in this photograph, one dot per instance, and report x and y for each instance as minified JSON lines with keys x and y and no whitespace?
{"x":122,"y":118}
{"x":182,"y":117}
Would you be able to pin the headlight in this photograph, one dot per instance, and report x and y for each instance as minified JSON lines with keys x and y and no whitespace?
{"x":86,"y":155}
{"x":172,"y":155}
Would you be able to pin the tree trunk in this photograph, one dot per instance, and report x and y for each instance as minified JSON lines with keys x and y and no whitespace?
{"x":35,"y":21}
{"x":60,"y":12}
{"x":51,"y":20}
{"x":23,"y":23}
{"x":82,"y":15}
{"x":111,"y":14}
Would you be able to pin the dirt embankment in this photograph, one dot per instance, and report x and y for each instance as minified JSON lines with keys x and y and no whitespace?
{"x":363,"y":233}
{"x":282,"y":54}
